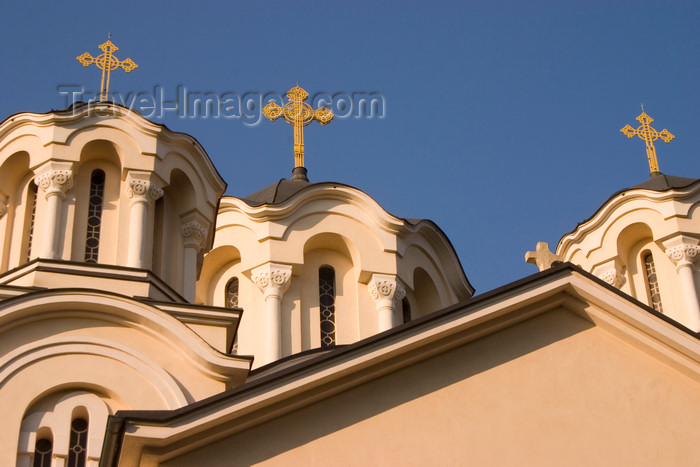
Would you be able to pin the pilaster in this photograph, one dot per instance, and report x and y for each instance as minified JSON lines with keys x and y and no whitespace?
{"x":683,"y":253}
{"x":55,"y":178}
{"x":142,"y":190}
{"x":612,"y":272}
{"x":387,"y":292}
{"x":273,"y":280}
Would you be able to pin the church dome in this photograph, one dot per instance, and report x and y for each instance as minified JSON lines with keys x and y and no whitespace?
{"x":336,"y":266}
{"x":643,"y":241}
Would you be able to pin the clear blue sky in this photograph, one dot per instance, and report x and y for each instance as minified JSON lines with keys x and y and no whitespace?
{"x":502,"y":118}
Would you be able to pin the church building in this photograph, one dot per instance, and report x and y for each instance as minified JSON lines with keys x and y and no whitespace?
{"x":148,"y":319}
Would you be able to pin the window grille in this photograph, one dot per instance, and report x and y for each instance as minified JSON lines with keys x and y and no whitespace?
{"x":94,"y":220}
{"x":326,"y":295}
{"x":652,"y":283}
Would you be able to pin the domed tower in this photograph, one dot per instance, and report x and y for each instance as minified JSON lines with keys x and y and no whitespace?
{"x":99,"y":188}
{"x":315,"y":265}
{"x":320,"y":264}
{"x":644,"y":239}
{"x":104,"y":219}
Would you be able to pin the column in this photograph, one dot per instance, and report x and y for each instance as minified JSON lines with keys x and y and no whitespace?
{"x":612,"y":272}
{"x":387,"y":293}
{"x":143,"y":192}
{"x":194,"y":236}
{"x":273,"y":280}
{"x":683,"y":252}
{"x":55,"y":179}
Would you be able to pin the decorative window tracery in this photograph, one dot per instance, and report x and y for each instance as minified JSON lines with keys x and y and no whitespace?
{"x":94,"y":220}
{"x":42,"y":453}
{"x":231,"y":299}
{"x":652,"y":282}
{"x":326,"y":295}
{"x":78,"y":443}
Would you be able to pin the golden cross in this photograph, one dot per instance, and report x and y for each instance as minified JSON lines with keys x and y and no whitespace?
{"x":649,"y":135}
{"x":107,"y":63}
{"x":298,"y":113}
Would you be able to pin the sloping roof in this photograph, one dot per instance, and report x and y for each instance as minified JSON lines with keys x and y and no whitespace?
{"x":663,"y":182}
{"x":276,"y":193}
{"x":566,"y":279}
{"x":657,"y":182}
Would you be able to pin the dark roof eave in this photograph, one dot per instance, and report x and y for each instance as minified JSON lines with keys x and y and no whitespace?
{"x":163,"y":417}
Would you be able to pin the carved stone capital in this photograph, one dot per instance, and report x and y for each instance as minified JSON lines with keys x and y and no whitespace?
{"x":140,"y":189}
{"x":55,"y":178}
{"x":272,"y":278}
{"x":682,"y":251}
{"x":611,"y":272}
{"x":385,"y":288}
{"x":194,"y":234}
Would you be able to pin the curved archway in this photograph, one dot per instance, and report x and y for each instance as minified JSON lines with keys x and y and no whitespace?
{"x":16,"y":196}
{"x":50,"y":419}
{"x":425,"y":293}
{"x":218,"y":266}
{"x":97,"y":156}
{"x":323,"y":253}
{"x":177,"y":201}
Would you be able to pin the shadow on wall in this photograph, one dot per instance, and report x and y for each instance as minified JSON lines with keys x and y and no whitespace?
{"x":341,"y":411}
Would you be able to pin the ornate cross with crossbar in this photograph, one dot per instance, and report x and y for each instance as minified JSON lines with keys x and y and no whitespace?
{"x":648,"y":135}
{"x":106,"y":62}
{"x":299,"y":114}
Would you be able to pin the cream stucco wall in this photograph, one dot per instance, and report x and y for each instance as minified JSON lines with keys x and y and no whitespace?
{"x":127,"y":354}
{"x":553,"y":390}
{"x":332,"y":225}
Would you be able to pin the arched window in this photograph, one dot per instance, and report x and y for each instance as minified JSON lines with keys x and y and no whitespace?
{"x":652,"y":282}
{"x":231,"y":299}
{"x":326,"y":297}
{"x":78,"y":442}
{"x":406,"y":310}
{"x":42,"y":452}
{"x":31,"y":199}
{"x":94,"y":220}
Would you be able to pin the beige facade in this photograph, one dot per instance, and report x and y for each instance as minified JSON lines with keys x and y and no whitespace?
{"x":556,"y":370}
{"x":304,"y":325}
{"x":650,"y":229}
{"x":381,"y":264}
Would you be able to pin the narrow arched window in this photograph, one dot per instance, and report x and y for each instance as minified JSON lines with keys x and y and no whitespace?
{"x":78,"y":443}
{"x":31,"y":199}
{"x":42,"y":452}
{"x":652,"y":282}
{"x":231,"y":299}
{"x":326,"y":296}
{"x":406,"y":310}
{"x":94,"y":220}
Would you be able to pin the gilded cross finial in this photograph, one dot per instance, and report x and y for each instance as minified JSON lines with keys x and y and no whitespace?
{"x":299,"y":114}
{"x":648,"y":135}
{"x":106,"y":62}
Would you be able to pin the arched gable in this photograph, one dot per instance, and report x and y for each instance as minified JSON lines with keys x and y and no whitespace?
{"x":104,"y":344}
